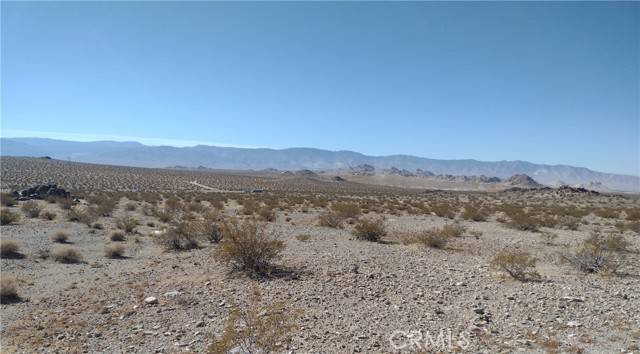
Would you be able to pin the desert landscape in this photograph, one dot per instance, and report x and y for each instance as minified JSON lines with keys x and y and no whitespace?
{"x":123,"y":259}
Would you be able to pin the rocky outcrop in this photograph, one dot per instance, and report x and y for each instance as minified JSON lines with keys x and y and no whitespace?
{"x":41,"y":192}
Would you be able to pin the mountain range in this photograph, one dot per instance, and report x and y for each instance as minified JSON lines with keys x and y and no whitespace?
{"x":232,"y":158}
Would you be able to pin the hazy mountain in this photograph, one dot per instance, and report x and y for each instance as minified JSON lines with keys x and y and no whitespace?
{"x":136,"y":154}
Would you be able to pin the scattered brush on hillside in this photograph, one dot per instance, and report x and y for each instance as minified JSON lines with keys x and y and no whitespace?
{"x":520,"y":265}
{"x":247,"y":246}
{"x":475,"y":213}
{"x":369,"y":229}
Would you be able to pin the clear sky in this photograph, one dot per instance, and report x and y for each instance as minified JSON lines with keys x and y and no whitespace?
{"x":555,"y":83}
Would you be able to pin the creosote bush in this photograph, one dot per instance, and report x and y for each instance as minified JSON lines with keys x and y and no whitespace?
{"x":66,"y":254}
{"x":8,"y":290}
{"x":183,"y":236}
{"x":247,"y":246}
{"x":257,"y":328}
{"x":346,"y":210}
{"x":127,"y":223}
{"x":369,"y":229}
{"x":600,"y":253}
{"x":330,"y":219}
{"x":49,"y":215}
{"x":518,"y":264}
{"x":9,"y":249}
{"x":475,"y":213}
{"x":8,"y":217}
{"x":31,"y":208}
{"x":60,"y":237}
{"x":117,"y":236}
{"x":7,"y":199}
{"x":114,"y":251}
{"x":85,"y":215}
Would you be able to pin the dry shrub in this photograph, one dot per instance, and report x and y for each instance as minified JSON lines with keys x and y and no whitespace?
{"x":85,"y":215}
{"x":369,"y":230}
{"x":266,"y":214}
{"x":8,"y":290}
{"x":49,"y":215}
{"x":247,"y":246}
{"x":475,"y":213}
{"x":519,"y":265}
{"x":330,"y":219}
{"x":257,"y":328}
{"x":196,"y":207}
{"x":164,"y":215}
{"x":523,"y":221}
{"x":606,"y":213}
{"x":117,"y":236}
{"x":183,"y":236}
{"x":65,"y":203}
{"x":173,"y":204}
{"x":8,"y":217}
{"x":131,"y":206}
{"x":599,"y":253}
{"x":569,"y":222}
{"x":9,"y":249}
{"x":249,"y":206}
{"x":633,"y":214}
{"x":60,"y":237}
{"x":346,"y":210}
{"x":303,"y":237}
{"x":444,"y":210}
{"x":548,"y":237}
{"x":114,"y":251}
{"x":127,"y":223}
{"x":104,"y":204}
{"x":7,"y":199}
{"x":31,"y":208}
{"x":453,"y":230}
{"x":434,"y":238}
{"x":66,"y":254}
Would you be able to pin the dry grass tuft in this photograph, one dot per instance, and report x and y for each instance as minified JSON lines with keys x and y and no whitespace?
{"x":49,"y":215}
{"x":330,"y":219}
{"x":66,"y":254}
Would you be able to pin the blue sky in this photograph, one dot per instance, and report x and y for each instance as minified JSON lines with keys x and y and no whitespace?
{"x":553,"y":83}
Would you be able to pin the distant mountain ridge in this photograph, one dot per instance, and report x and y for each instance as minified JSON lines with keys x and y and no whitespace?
{"x":136,"y":154}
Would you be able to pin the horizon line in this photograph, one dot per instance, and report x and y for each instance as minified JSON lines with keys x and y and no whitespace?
{"x":179,"y":143}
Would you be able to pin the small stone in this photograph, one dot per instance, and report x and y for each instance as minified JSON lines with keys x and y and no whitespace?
{"x":574,"y":324}
{"x":151,"y":300}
